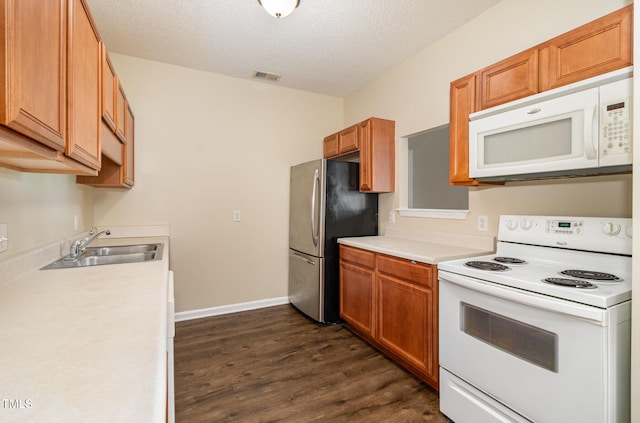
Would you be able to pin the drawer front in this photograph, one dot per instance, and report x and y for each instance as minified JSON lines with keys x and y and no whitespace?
{"x":357,"y":256}
{"x":409,"y":270}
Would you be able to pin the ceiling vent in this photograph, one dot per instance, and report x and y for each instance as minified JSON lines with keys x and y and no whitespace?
{"x":266,"y":76}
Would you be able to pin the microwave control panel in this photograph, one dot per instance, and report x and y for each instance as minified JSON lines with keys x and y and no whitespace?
{"x":615,"y":123}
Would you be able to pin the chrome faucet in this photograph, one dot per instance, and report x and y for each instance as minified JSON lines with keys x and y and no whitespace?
{"x":78,"y":246}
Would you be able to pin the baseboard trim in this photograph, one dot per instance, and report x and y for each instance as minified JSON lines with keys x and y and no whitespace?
{"x":227,"y":309}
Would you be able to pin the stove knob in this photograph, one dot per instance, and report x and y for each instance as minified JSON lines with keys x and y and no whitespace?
{"x":512,"y":224}
{"x":629,"y":231}
{"x":611,"y":229}
{"x":526,"y":224}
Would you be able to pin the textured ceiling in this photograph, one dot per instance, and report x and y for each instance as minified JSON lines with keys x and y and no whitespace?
{"x":326,"y":46}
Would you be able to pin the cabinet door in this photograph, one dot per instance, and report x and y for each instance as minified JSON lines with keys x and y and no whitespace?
{"x":405,"y":323}
{"x":33,"y":69}
{"x":330,"y":146}
{"x":109,"y":89}
{"x":357,"y":289}
{"x":348,"y":140}
{"x":462,"y":103}
{"x":129,"y":150}
{"x":600,"y":46}
{"x":376,"y":138}
{"x":83,"y":86}
{"x":509,"y":80}
{"x":121,"y":113}
{"x":341,"y":142}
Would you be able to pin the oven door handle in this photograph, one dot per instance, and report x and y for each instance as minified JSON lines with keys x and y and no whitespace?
{"x":591,"y":314}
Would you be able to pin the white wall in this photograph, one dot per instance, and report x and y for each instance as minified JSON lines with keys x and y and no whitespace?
{"x":416,"y":95}
{"x":207,"y":145}
{"x":40,"y":208}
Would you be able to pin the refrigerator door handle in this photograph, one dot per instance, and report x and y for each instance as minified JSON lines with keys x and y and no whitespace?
{"x":300,"y":256}
{"x":315,"y":226}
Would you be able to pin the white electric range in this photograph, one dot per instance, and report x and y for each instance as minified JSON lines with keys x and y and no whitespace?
{"x":539,"y":331}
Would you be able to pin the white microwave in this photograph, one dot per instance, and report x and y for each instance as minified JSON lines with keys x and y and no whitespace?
{"x":581,"y":129}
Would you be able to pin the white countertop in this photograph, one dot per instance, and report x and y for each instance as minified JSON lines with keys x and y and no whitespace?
{"x":85,"y":344}
{"x":423,"y":246}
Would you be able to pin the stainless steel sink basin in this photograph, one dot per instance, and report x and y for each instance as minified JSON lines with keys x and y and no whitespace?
{"x":117,"y":254}
{"x":121,"y":249}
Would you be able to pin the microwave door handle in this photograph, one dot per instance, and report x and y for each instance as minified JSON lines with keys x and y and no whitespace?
{"x":591,"y":134}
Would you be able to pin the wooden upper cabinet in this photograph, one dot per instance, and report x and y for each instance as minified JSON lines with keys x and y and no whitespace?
{"x":509,"y":80}
{"x":348,"y":140}
{"x":374,"y":141}
{"x":330,"y":146}
{"x":598,"y":47}
{"x":121,"y":111}
{"x":462,"y":103}
{"x":117,"y":134}
{"x":33,"y":68}
{"x":83,"y":86}
{"x":341,"y":142}
{"x":128,"y":176}
{"x":109,"y":89}
{"x":377,"y":155}
{"x":117,"y":169}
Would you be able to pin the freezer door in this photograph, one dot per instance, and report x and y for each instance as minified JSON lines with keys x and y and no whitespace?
{"x":306,"y":208}
{"x":306,"y":280}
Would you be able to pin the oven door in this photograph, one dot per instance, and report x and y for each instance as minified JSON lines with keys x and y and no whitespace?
{"x":514,"y":348}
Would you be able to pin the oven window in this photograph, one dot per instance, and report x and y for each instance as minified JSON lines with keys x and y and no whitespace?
{"x":532,"y":344}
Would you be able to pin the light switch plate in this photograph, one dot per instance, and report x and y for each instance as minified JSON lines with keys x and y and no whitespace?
{"x":236,"y":215}
{"x":4,"y":237}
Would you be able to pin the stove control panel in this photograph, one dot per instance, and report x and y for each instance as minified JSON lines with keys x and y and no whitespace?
{"x":601,"y":234}
{"x":567,"y":227}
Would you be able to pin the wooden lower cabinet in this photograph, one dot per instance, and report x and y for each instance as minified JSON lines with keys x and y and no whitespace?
{"x":357,"y":288}
{"x":394,"y":306}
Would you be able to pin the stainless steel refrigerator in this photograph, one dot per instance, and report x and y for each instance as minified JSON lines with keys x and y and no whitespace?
{"x":325,"y":204}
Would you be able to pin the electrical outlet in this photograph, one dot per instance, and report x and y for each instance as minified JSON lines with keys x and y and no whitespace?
{"x":4,"y":237}
{"x":483,"y":223}
{"x":236,"y":215}
{"x":392,"y":217}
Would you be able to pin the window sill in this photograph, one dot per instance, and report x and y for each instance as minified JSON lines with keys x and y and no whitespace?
{"x":434,"y":213}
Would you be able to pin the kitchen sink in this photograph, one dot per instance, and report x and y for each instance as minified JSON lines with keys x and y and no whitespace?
{"x":116,"y":254}
{"x":121,"y":249}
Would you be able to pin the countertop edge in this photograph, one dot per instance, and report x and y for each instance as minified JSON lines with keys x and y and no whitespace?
{"x":410,"y":249}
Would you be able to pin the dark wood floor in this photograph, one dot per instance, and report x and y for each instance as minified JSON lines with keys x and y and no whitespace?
{"x":274,"y":365}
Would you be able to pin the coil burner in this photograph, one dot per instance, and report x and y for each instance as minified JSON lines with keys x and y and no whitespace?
{"x":570,"y":283}
{"x":591,"y":275}
{"x":509,"y":260}
{"x":487,"y":265}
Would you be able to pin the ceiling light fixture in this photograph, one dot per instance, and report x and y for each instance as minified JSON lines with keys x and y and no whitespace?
{"x":279,"y":8}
